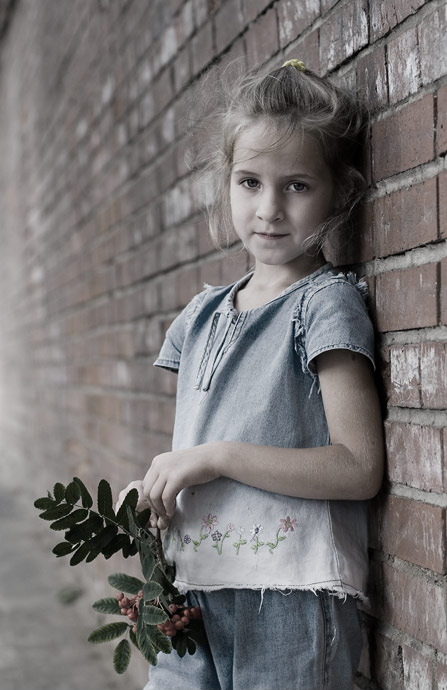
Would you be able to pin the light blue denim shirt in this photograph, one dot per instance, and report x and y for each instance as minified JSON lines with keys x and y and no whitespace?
{"x":251,"y":377}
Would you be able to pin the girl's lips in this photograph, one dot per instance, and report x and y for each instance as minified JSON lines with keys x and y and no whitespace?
{"x":270,"y":236}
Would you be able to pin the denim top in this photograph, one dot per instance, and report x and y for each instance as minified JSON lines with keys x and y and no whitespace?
{"x":250,"y":377}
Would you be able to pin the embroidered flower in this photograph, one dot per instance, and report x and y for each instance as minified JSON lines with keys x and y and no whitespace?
{"x":209,"y":521}
{"x":230,"y":527}
{"x":216,"y":536}
{"x":255,"y":530}
{"x":240,"y":531}
{"x":288,"y":524}
{"x":187,"y":539}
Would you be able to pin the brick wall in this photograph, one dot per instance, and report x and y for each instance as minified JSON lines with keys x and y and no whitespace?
{"x":102,"y":243}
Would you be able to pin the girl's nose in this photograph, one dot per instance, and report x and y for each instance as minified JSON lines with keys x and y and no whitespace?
{"x":269,"y":208}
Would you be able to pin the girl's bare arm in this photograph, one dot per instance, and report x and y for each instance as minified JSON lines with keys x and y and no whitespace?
{"x":351,"y":468}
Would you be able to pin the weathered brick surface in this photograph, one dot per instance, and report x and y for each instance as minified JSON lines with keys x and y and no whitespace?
{"x":415,"y":304}
{"x":103,"y":242}
{"x":404,"y":139}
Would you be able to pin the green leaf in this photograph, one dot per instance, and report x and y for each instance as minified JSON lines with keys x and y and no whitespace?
{"x":181,"y":645}
{"x":117,"y":543}
{"x":72,"y":493}
{"x":85,"y":530}
{"x":130,"y":549}
{"x":151,"y":591}
{"x":191,"y":645}
{"x":59,"y":492}
{"x":144,"y":644}
{"x":105,"y":500}
{"x":57,"y":512}
{"x":103,"y":538}
{"x":133,"y":529}
{"x":142,"y":518}
{"x":94,"y":553}
{"x":125,"y":583}
{"x":121,"y":656}
{"x":107,"y":605}
{"x":80,"y":554}
{"x":153,"y":615}
{"x":63,"y":549}
{"x":148,"y":566}
{"x":107,"y":632}
{"x":133,"y":638}
{"x":130,"y":500}
{"x":44,"y":503}
{"x":159,"y":640}
{"x":87,"y":500}
{"x":71,"y":520}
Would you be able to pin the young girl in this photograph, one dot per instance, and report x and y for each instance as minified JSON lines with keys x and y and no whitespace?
{"x":277,"y":440}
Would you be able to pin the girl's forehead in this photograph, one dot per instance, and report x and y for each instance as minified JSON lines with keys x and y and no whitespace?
{"x":263,"y":142}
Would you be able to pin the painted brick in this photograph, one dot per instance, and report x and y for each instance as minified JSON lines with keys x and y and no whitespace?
{"x":309,"y":48}
{"x":410,"y":603}
{"x":404,"y":76}
{"x":442,"y":120}
{"x":441,"y":677}
{"x":413,"y":531}
{"x":434,"y":375}
{"x":372,"y":78}
{"x":405,"y":381}
{"x":228,"y":22}
{"x":262,"y":39}
{"x":343,"y":34}
{"x":443,"y":292}
{"x":188,"y":285}
{"x":418,"y":670}
{"x":388,"y":667}
{"x":234,"y":267}
{"x":253,"y":8}
{"x":404,"y":139}
{"x":405,"y":219}
{"x":326,"y":5}
{"x":211,"y":273}
{"x":295,"y":17}
{"x":443,"y":205}
{"x":355,"y":247}
{"x":414,"y":455}
{"x":431,"y":33}
{"x":386,"y":14}
{"x":202,"y":48}
{"x":407,"y":299}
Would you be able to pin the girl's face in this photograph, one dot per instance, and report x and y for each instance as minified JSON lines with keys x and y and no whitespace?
{"x":280,"y":197}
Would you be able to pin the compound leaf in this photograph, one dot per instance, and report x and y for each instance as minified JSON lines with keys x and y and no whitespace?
{"x":59,"y":492}
{"x":160,"y":641}
{"x":107,"y":605}
{"x":125,"y":583}
{"x":57,"y":512}
{"x":151,"y":591}
{"x":153,"y":615}
{"x":105,"y":500}
{"x":130,"y":500}
{"x":80,"y":554}
{"x":44,"y":503}
{"x":71,"y":520}
{"x":72,"y":493}
{"x":63,"y":549}
{"x":87,"y":500}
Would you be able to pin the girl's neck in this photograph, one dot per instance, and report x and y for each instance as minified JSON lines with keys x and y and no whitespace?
{"x":273,"y":277}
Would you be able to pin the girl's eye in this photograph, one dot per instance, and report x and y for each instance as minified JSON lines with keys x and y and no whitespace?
{"x":249,"y":183}
{"x":298,"y":186}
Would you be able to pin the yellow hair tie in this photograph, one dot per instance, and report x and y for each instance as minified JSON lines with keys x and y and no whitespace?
{"x":299,"y":64}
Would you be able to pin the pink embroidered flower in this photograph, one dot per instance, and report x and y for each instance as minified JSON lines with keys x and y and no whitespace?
{"x":288,"y":524}
{"x":209,"y":521}
{"x":230,"y":527}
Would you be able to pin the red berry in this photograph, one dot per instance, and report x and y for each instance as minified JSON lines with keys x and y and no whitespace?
{"x":179,"y":625}
{"x":120,"y":596}
{"x":132,"y":615}
{"x":176,"y":617}
{"x":185,"y":620}
{"x":125,"y":601}
{"x":173,"y":608}
{"x":124,"y":611}
{"x":134,"y":629}
{"x":196,"y":612}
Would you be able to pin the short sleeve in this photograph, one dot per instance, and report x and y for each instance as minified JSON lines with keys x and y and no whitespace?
{"x":171,"y":350}
{"x":336,"y":318}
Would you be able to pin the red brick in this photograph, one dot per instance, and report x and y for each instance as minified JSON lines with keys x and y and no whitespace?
{"x":405,"y":219}
{"x":418,"y":669}
{"x":443,"y":292}
{"x":343,"y":33}
{"x":404,"y":139}
{"x":407,"y":299}
{"x":202,"y":48}
{"x":410,"y":603}
{"x":252,"y":8}
{"x":388,"y":667}
{"x":434,"y":375}
{"x":355,"y":247}
{"x":307,"y":48}
{"x":182,"y":68}
{"x":386,"y":14}
{"x":413,"y":531}
{"x":431,"y":34}
{"x":326,"y":5}
{"x":294,"y":18}
{"x":262,"y":39}
{"x":414,"y":455}
{"x":443,"y":205}
{"x":405,"y":381}
{"x":372,"y":78}
{"x":403,"y":66}
{"x":229,"y":22}
{"x":441,"y":677}
{"x":442,"y":120}
{"x":211,"y":273}
{"x":234,"y":266}
{"x":188,"y":285}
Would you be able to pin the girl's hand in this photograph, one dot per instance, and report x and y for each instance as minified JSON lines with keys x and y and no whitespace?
{"x":171,"y":472}
{"x":142,"y":502}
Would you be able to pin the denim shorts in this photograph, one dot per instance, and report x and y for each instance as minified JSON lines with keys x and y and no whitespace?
{"x":295,"y":640}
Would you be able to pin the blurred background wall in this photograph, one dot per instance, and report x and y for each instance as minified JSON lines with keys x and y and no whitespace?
{"x":102,"y":243}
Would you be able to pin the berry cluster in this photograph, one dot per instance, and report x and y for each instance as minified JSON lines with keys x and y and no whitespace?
{"x":129,"y":607}
{"x":180,"y":618}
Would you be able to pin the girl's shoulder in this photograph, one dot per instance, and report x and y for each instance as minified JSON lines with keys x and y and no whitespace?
{"x":334,"y":278}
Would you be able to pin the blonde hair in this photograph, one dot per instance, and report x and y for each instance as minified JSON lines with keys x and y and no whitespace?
{"x":295,"y":103}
